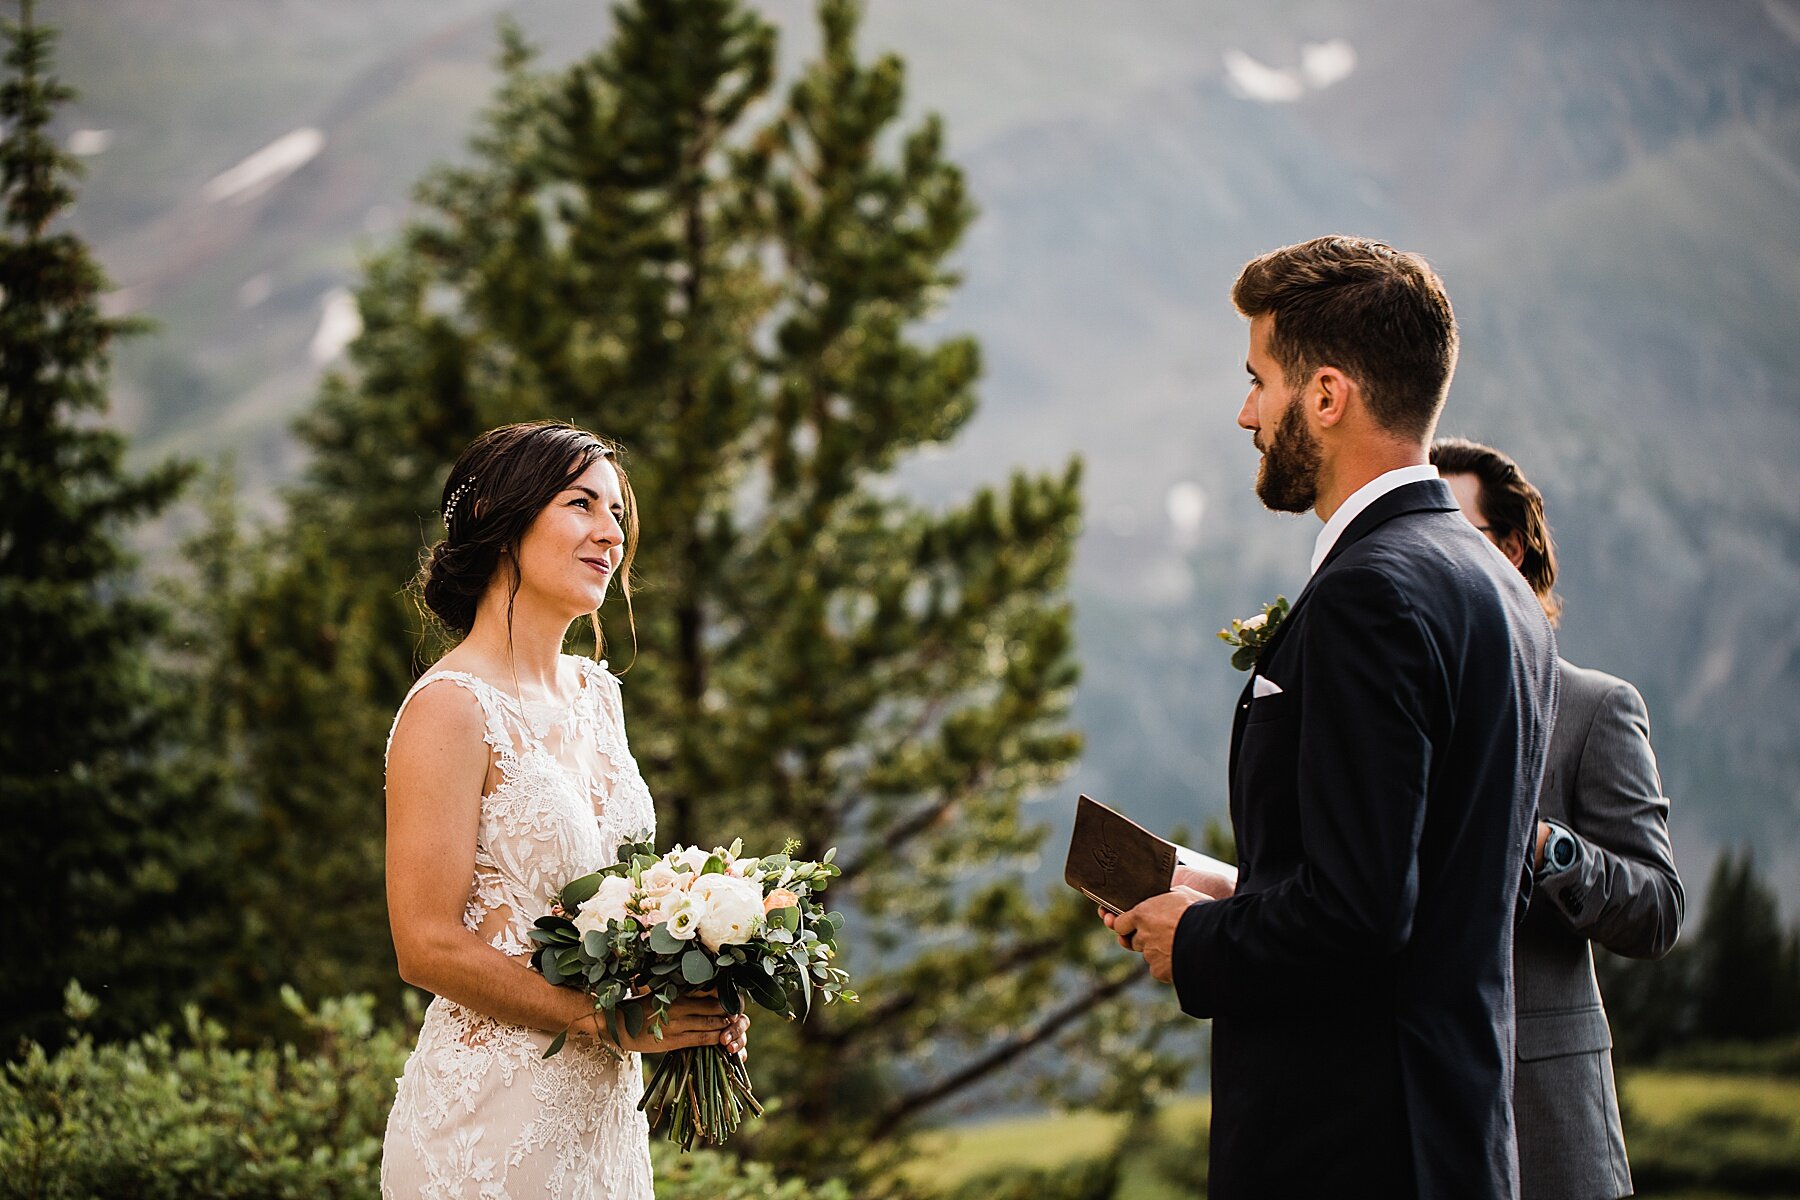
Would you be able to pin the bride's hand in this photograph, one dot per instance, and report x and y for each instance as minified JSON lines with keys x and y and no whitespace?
{"x":693,"y":1021}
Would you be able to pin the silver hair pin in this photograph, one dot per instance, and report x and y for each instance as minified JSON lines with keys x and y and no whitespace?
{"x":455,"y":499}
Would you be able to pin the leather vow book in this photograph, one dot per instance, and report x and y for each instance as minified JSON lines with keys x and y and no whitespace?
{"x":1114,"y":861}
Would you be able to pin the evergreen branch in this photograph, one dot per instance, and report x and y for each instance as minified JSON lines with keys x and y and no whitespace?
{"x":930,"y":714}
{"x":919,"y":823}
{"x":899,"y":1004}
{"x":913,"y":1103}
{"x":900,"y":835}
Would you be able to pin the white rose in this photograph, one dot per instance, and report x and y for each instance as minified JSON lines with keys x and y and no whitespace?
{"x":660,"y":883}
{"x":743,"y":868}
{"x":682,"y":917}
{"x":692,"y":857}
{"x":606,"y":904}
{"x":660,"y":877}
{"x":1257,"y":622}
{"x":731,"y":910}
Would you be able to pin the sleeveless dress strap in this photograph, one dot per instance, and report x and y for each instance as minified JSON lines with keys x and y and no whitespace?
{"x":493,"y":709}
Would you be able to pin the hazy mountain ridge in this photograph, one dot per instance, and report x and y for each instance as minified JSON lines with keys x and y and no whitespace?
{"x":1671,"y":485}
{"x":1609,"y":189}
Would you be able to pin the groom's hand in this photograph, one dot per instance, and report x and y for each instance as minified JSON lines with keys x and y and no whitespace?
{"x":1149,"y":928}
{"x":1215,"y":885}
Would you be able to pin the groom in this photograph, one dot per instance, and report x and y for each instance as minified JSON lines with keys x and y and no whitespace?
{"x":1385,"y":760}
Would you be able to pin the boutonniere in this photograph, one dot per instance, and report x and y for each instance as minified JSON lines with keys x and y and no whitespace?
{"x":1252,"y":634}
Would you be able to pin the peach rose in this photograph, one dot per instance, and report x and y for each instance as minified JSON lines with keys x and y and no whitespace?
{"x":779,"y":898}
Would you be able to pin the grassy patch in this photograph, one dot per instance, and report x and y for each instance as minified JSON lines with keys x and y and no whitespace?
{"x":1691,"y":1135}
{"x":1695,"y":1134}
{"x":949,"y":1158}
{"x":1665,"y":1097}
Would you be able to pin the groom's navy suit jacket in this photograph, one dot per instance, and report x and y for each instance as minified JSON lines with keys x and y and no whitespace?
{"x":1360,"y":980}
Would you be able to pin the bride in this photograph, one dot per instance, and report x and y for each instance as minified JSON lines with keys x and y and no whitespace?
{"x":507,"y":775}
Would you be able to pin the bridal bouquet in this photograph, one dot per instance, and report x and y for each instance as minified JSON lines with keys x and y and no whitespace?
{"x":651,"y":928}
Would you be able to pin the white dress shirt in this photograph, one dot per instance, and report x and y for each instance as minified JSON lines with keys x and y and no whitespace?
{"x":1360,"y":499}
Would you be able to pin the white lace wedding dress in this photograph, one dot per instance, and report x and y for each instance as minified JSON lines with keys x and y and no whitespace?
{"x":480,"y":1114}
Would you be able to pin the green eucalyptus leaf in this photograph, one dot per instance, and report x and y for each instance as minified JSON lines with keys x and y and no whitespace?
{"x":696,"y":967}
{"x":577,"y":892}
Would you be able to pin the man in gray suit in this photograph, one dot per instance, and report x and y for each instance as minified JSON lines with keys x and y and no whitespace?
{"x":1605,"y":871}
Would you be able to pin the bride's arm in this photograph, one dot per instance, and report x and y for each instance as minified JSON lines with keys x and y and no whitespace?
{"x":436,"y":768}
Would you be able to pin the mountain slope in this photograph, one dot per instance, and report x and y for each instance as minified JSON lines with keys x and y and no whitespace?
{"x":1609,"y":186}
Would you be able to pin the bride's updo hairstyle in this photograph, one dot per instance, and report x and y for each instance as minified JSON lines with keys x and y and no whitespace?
{"x":495,"y":491}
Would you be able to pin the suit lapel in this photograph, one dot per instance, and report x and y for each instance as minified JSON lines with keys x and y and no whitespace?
{"x":1237,"y":730}
{"x":1429,"y":495}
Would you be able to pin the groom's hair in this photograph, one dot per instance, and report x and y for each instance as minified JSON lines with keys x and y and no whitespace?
{"x":1378,"y":314}
{"x":1509,"y":503}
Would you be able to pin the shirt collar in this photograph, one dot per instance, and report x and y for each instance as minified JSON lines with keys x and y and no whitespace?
{"x":1359,"y":500}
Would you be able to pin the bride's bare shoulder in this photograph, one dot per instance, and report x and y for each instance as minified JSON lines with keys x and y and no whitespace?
{"x":443,"y":716}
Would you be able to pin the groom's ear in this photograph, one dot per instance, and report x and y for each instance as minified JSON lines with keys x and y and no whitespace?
{"x":1331,"y":395}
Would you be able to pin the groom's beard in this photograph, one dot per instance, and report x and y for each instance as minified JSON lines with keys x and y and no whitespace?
{"x":1288,"y":479}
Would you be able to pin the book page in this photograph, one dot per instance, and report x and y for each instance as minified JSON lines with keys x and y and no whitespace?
{"x":1187,"y":856}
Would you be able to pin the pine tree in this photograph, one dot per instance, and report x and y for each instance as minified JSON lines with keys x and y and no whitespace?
{"x":1747,"y":971}
{"x":290,"y":711}
{"x":1650,"y":1004}
{"x":736,"y":299}
{"x":105,"y":858}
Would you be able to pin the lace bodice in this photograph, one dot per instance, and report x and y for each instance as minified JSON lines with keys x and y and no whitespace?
{"x":479,"y":1112}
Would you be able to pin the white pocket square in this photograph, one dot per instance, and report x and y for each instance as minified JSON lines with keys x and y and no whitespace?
{"x":1262,"y":686}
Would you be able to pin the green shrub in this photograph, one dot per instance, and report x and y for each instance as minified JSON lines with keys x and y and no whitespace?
{"x":1735,"y":1146}
{"x":187,"y":1115}
{"x":1092,"y":1179}
{"x":704,"y":1175}
{"x":169,"y":1116}
{"x":1779,"y":1058}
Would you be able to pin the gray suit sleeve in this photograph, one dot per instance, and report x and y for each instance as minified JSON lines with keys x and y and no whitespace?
{"x":1622,"y":891}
